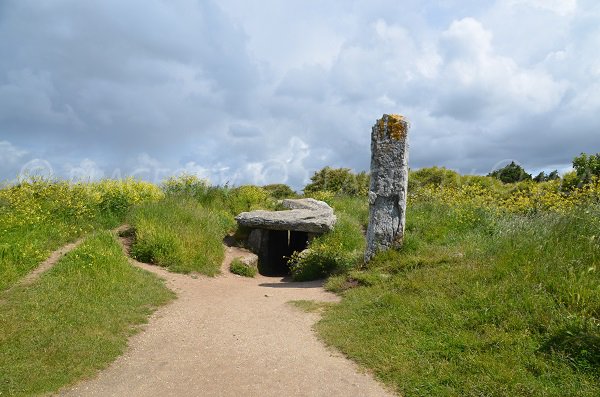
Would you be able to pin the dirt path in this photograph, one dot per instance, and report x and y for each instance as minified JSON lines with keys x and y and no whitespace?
{"x":231,"y":336}
{"x":43,"y":267}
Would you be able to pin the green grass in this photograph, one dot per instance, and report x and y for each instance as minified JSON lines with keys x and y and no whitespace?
{"x":24,"y":248}
{"x":75,"y":319}
{"x":478,"y":303}
{"x":310,"y":306}
{"x":237,"y":267}
{"x":39,"y":217}
{"x":181,"y":234}
{"x":336,"y":251}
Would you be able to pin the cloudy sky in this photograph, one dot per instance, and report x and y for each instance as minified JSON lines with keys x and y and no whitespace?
{"x":267,"y":91}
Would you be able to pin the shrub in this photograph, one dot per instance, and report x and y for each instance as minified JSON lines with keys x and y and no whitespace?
{"x":436,"y":176}
{"x":241,"y":269}
{"x":248,"y":198}
{"x":279,"y":191}
{"x":338,"y":181}
{"x":511,"y":173}
{"x":185,"y":184}
{"x":336,"y":251}
{"x":587,"y":166}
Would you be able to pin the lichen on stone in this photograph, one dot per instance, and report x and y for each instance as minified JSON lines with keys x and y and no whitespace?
{"x":395,"y":125}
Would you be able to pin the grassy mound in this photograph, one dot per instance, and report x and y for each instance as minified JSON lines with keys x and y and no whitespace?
{"x":75,"y":319}
{"x":180,"y":234}
{"x":38,"y":217}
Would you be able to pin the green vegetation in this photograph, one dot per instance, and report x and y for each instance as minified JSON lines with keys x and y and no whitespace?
{"x":180,"y":234}
{"x":338,"y":181}
{"x":511,"y":173}
{"x":495,"y":292}
{"x":337,"y":251}
{"x":37,"y":217}
{"x":280,"y":191}
{"x":239,"y":268}
{"x":504,"y":305}
{"x":587,"y":167}
{"x":233,"y":200}
{"x":75,"y":319}
{"x":542,"y":177}
{"x":311,"y":306}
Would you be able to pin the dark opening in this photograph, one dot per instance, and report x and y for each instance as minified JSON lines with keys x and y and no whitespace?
{"x":276,"y":247}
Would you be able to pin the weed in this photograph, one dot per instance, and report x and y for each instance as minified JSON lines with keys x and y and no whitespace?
{"x":241,"y":269}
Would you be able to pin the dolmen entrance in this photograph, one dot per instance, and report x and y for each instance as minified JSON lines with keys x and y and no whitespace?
{"x":275,"y":235}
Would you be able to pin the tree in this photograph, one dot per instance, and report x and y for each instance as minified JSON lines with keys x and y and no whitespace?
{"x":587,"y":166}
{"x":339,"y":181}
{"x":542,"y":177}
{"x":280,"y":190}
{"x":511,"y":173}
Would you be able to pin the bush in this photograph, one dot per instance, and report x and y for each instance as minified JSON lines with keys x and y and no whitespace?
{"x":587,"y":166}
{"x":280,"y":191}
{"x":248,"y":198}
{"x":336,"y":251}
{"x":435,"y":176}
{"x":185,"y":184}
{"x":511,"y":173}
{"x":193,"y":187}
{"x":241,"y":269}
{"x":338,"y":181}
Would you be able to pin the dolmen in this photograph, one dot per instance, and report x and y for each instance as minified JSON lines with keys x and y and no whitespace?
{"x":275,"y":235}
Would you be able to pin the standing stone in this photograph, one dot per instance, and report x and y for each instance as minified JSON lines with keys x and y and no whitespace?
{"x":389,"y":184}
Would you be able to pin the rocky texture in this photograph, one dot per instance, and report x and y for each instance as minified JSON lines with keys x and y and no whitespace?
{"x":389,"y":183}
{"x":255,"y":240}
{"x":306,"y":204}
{"x":249,"y":260}
{"x":306,"y":215}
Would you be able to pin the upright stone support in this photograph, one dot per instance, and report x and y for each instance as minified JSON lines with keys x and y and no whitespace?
{"x":389,"y":184}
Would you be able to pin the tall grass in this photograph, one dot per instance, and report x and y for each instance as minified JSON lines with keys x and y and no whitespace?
{"x":334,"y":252}
{"x":37,"y":217}
{"x":75,"y":319}
{"x":180,"y":234}
{"x":478,"y":302}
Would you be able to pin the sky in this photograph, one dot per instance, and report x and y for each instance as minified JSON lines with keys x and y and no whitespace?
{"x":269,"y":91}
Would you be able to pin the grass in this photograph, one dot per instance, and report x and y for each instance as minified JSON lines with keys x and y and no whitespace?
{"x":478,"y":303}
{"x":38,"y":217}
{"x":180,"y":234}
{"x":495,"y":292}
{"x":75,"y":319}
{"x":336,"y":251}
{"x":241,"y":269}
{"x":310,"y":306}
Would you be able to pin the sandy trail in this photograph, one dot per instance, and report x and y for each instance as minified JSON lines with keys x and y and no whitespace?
{"x":231,"y":336}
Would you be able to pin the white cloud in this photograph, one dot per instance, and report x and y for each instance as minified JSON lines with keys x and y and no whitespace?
{"x":222,"y":90}
{"x":480,"y":82}
{"x":560,"y":7}
{"x":86,"y":170}
{"x":10,"y":154}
